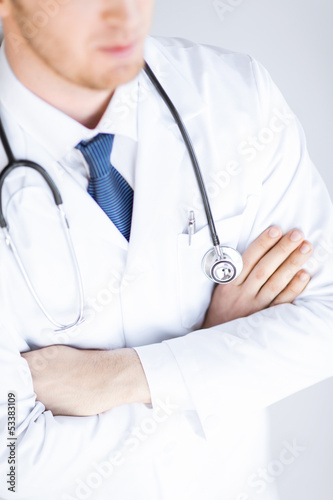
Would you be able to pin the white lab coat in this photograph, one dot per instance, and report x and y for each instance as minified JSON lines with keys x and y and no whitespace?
{"x":204,"y":435}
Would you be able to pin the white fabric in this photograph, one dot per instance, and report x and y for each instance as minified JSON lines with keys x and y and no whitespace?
{"x":205,"y":435}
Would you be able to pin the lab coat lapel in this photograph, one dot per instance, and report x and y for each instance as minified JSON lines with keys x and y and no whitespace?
{"x":161,"y":151}
{"x":158,"y":159}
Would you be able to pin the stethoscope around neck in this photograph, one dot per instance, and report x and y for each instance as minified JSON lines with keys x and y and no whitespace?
{"x":221,"y":264}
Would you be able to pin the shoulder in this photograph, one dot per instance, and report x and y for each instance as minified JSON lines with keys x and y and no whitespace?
{"x":221,"y":77}
{"x":197,"y":61}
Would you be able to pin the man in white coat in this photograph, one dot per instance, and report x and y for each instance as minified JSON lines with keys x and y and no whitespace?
{"x":161,"y":392}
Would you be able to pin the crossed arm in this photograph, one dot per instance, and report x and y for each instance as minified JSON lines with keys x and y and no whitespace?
{"x":88,"y":382}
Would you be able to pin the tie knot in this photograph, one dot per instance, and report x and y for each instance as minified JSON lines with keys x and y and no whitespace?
{"x":97,"y":153}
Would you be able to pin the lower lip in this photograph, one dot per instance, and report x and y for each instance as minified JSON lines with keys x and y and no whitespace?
{"x":120,"y":52}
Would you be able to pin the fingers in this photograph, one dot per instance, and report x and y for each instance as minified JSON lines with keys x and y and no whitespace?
{"x":275,"y":257}
{"x":284,"y":276}
{"x":293,"y":289}
{"x":258,"y":248}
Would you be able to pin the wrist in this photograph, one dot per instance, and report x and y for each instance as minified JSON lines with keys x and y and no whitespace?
{"x":210,"y":319}
{"x":127,"y":382}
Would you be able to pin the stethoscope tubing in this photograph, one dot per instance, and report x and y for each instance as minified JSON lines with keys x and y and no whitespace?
{"x":12,"y":165}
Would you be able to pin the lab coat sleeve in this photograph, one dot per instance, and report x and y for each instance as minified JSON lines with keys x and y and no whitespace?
{"x":250,"y":363}
{"x":53,"y":453}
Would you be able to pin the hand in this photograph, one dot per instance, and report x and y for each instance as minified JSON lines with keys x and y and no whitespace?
{"x":78,"y":382}
{"x":271,"y":276}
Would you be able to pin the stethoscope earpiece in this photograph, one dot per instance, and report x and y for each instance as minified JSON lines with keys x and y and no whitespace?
{"x":224,"y":266}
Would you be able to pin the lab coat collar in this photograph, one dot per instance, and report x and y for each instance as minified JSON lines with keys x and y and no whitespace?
{"x":43,"y":121}
{"x":182,"y":91}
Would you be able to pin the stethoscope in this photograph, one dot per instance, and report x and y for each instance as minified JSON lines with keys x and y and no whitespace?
{"x":221,"y":264}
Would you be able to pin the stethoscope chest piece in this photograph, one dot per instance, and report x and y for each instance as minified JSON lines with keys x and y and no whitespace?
{"x":222,"y":264}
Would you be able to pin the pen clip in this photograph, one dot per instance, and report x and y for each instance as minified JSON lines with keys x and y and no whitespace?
{"x":191,"y":226}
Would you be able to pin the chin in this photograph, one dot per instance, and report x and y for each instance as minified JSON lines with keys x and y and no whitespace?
{"x":115,"y":76}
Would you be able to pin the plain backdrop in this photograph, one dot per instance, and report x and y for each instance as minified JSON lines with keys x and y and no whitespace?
{"x":294,"y":40}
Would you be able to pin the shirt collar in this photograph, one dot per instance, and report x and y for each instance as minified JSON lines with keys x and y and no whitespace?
{"x":44,"y":122}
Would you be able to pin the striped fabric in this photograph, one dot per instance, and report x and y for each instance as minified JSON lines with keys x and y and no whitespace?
{"x":108,"y":188}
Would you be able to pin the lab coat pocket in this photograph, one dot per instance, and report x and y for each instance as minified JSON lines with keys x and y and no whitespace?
{"x":194,"y":288}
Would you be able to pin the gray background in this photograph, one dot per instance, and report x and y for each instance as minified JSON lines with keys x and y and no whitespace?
{"x":294,"y":40}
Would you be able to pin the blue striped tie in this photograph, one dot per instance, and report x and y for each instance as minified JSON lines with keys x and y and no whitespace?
{"x":108,"y":188}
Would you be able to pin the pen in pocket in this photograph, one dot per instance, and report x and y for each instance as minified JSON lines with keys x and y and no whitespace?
{"x":191,"y":226}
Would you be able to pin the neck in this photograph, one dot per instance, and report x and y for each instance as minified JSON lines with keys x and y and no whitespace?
{"x":84,"y":105}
